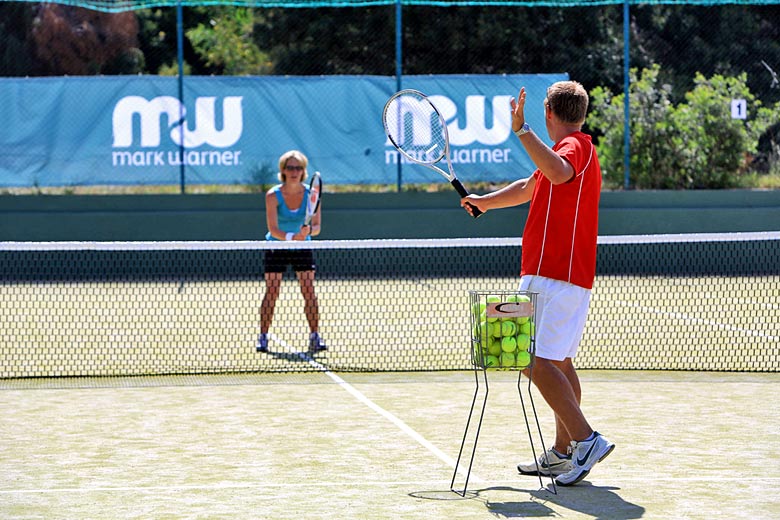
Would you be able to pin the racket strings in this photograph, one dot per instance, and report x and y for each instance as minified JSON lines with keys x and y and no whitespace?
{"x":416,"y":129}
{"x":313,"y":200}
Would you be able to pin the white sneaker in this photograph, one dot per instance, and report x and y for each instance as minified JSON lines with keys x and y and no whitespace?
{"x":585,"y":455}
{"x":549,"y":463}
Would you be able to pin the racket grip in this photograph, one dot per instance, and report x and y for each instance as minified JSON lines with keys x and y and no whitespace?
{"x":475,"y":212}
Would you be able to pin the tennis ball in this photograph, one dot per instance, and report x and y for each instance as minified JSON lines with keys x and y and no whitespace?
{"x":522,"y":320}
{"x":508,"y":328}
{"x":495,"y":329}
{"x":523,"y":341}
{"x":525,"y":328}
{"x":523,"y":359}
{"x":491,"y":362}
{"x":507,"y":359}
{"x":478,"y":309}
{"x":494,"y":347}
{"x":509,"y":344}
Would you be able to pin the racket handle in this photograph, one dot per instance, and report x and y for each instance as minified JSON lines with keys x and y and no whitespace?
{"x":475,"y":212}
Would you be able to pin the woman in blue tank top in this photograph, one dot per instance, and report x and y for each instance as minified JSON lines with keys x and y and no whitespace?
{"x":285,"y":211}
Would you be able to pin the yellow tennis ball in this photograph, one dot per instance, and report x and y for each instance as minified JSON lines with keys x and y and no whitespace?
{"x":509,"y":344}
{"x":508,"y":328}
{"x":507,"y":359}
{"x":525,"y":328}
{"x":491,"y":362}
{"x":522,"y":320}
{"x":523,"y":359}
{"x":523,"y":341}
{"x":495,"y":329}
{"x":494,"y":347}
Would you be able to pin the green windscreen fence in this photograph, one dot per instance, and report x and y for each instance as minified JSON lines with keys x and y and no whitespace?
{"x":663,"y":302}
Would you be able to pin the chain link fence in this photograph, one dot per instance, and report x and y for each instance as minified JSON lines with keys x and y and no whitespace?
{"x":703,"y":79}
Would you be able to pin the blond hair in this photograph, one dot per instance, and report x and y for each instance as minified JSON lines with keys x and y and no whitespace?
{"x":292,"y":154}
{"x":569,"y":101}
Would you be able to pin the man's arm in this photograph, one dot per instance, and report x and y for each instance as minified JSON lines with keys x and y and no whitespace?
{"x":557,"y":169}
{"x":519,"y":192}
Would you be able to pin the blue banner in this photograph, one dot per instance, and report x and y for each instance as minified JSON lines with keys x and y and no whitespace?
{"x":124,"y":130}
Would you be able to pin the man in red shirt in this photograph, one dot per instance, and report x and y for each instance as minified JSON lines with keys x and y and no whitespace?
{"x":558,"y":263}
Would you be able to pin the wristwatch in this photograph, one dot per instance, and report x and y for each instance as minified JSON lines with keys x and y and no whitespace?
{"x":523,"y":130}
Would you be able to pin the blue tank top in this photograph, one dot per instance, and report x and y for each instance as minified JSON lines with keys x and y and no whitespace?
{"x":288,"y":220}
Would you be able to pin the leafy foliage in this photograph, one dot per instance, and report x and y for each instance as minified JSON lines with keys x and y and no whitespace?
{"x":76,"y":41}
{"x":225,"y":44}
{"x":694,"y":144}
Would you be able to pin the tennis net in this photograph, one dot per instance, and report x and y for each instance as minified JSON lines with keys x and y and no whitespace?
{"x":660,"y":302}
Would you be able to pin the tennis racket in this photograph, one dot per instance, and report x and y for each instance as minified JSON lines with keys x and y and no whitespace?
{"x":313,"y":202}
{"x":418,"y":130}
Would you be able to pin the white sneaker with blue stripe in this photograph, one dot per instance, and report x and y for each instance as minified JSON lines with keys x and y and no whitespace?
{"x":584,"y":455}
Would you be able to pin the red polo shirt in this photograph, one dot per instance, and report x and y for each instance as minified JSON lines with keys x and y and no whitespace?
{"x":559,"y":240}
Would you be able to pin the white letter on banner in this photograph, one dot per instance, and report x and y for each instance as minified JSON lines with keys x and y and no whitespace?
{"x":422,"y":129}
{"x":120,"y":158}
{"x":205,"y":124}
{"x":150,"y":112}
{"x":475,"y":130}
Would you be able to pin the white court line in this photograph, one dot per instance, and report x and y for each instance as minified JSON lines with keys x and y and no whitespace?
{"x":343,"y":384}
{"x":378,"y":409}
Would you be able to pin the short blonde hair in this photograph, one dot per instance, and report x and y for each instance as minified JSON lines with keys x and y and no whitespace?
{"x":569,"y":101}
{"x":292,"y":154}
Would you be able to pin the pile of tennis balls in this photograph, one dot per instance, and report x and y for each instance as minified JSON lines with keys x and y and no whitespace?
{"x":504,"y":341}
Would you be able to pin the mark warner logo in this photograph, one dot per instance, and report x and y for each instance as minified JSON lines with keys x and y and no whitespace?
{"x":201,"y":130}
{"x":471,"y":140}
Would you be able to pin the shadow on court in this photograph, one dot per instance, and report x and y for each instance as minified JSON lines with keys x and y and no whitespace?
{"x":593,"y":501}
{"x":597,"y":501}
{"x":292,"y":357}
{"x":527,"y":508}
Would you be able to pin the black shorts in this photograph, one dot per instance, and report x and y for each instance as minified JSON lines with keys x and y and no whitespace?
{"x":277,"y":260}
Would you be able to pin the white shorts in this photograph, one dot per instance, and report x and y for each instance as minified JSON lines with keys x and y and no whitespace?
{"x":561,"y":311}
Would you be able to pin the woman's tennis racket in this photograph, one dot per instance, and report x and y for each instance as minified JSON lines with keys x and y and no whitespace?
{"x":313,"y":202}
{"x":419,"y":132}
